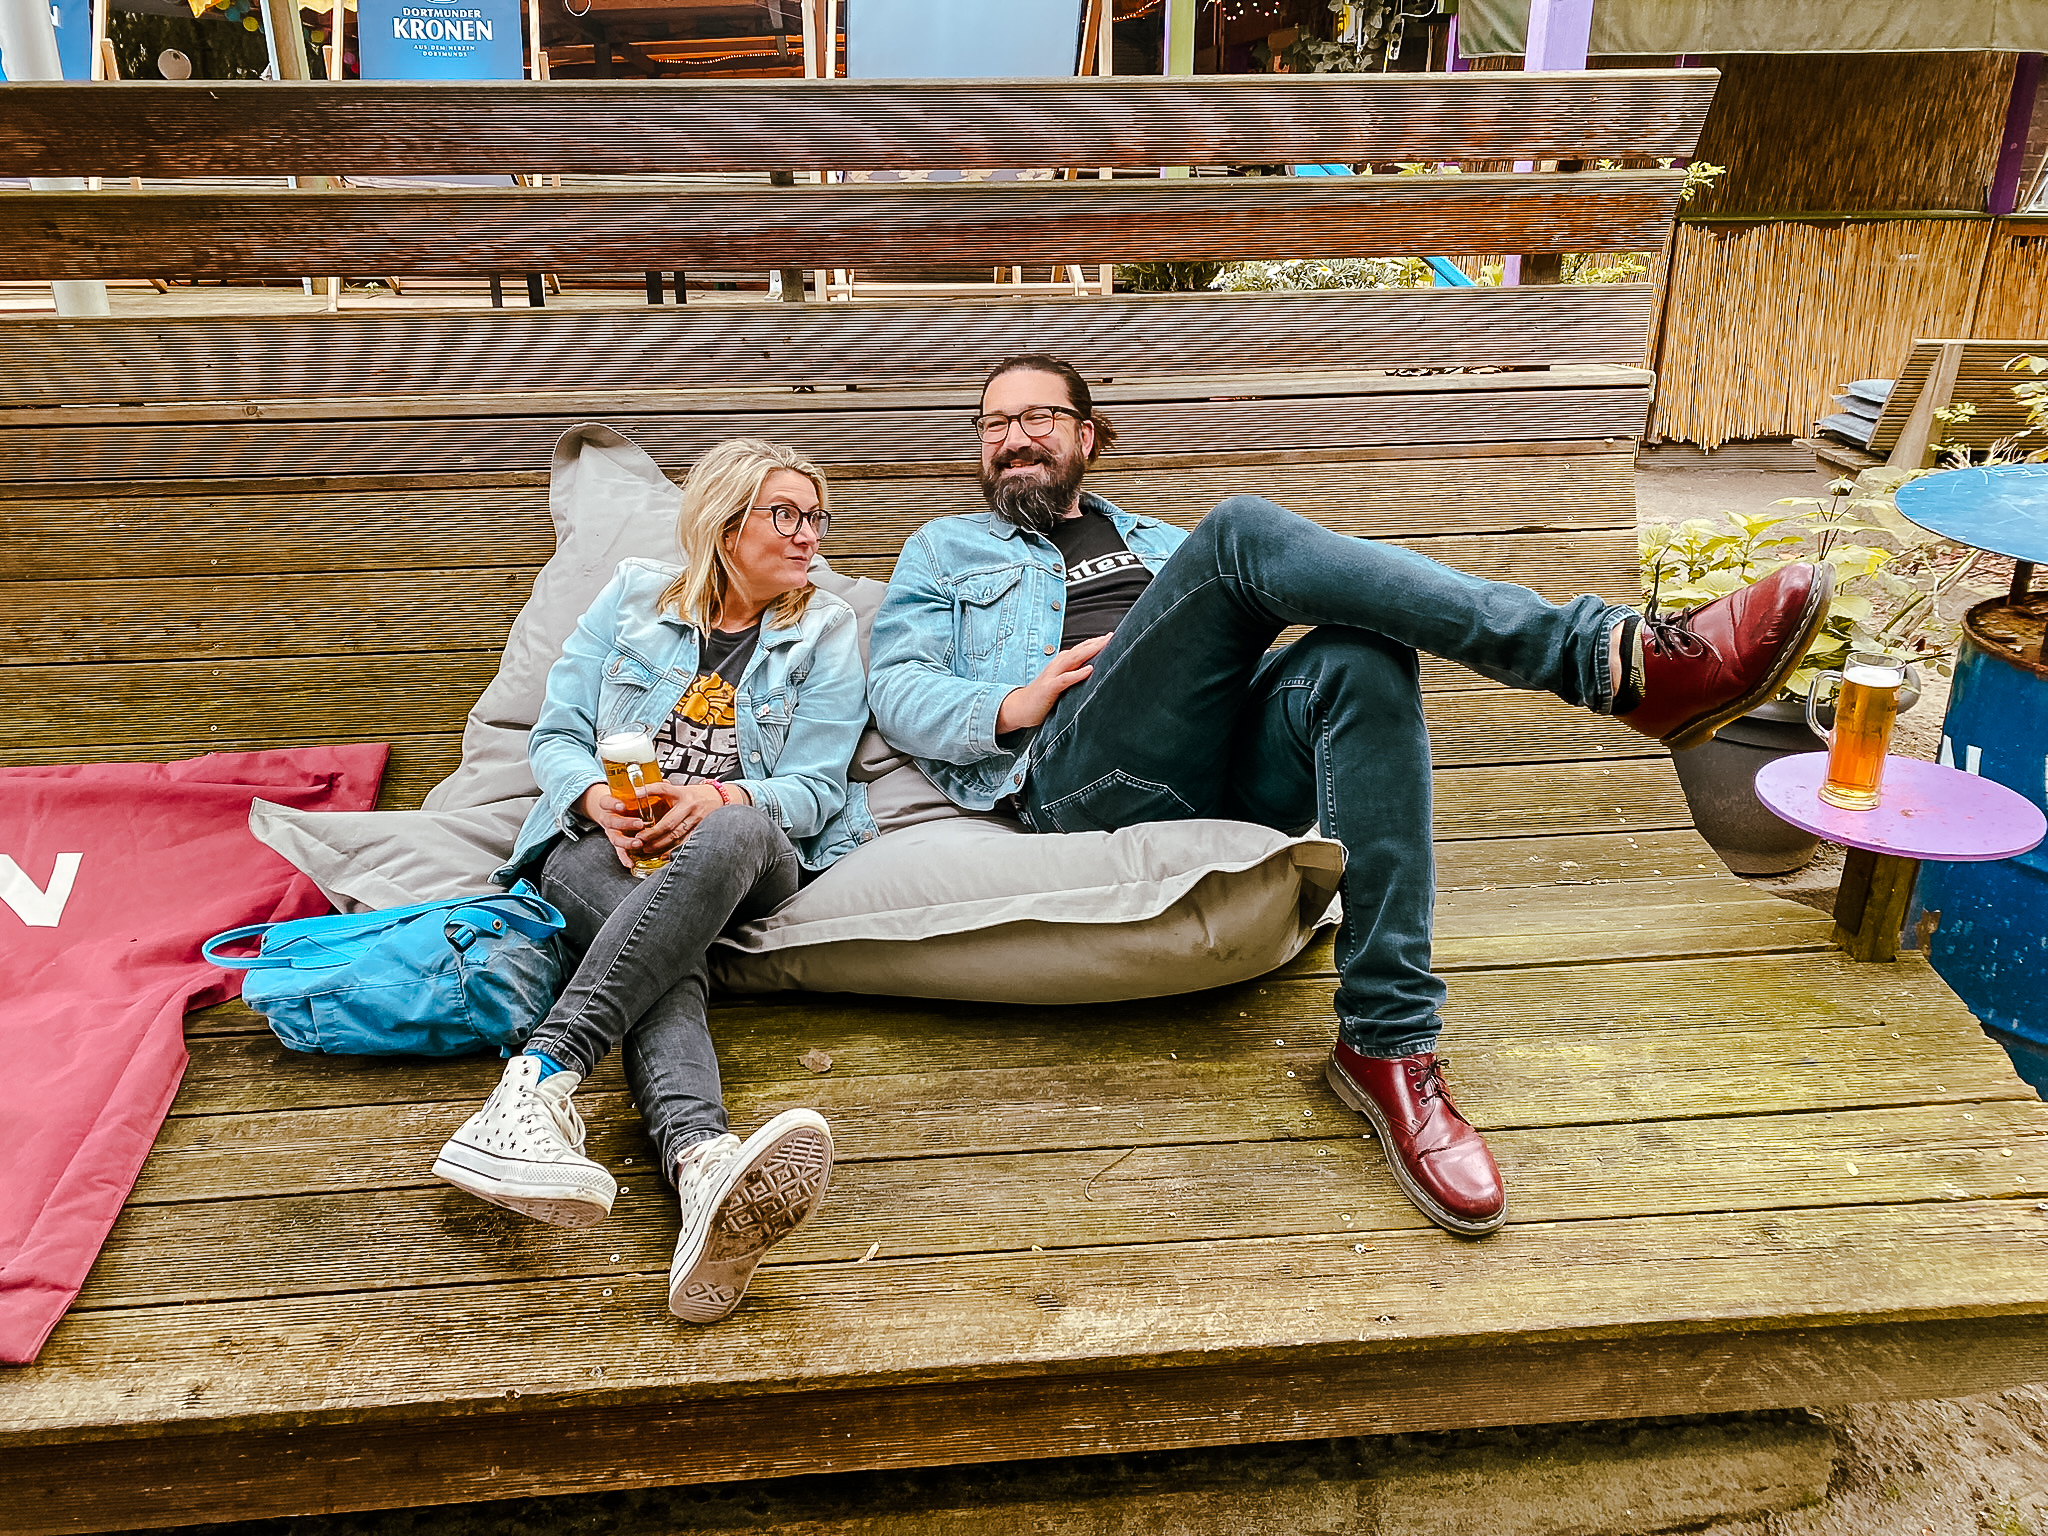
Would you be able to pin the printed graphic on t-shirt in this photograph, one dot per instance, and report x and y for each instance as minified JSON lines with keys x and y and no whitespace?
{"x":700,"y":741}
{"x":1104,"y":578}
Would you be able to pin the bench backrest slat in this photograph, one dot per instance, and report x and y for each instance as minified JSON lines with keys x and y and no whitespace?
{"x":288,"y":234}
{"x":1609,"y":408}
{"x":480,"y":352}
{"x":379,"y":127}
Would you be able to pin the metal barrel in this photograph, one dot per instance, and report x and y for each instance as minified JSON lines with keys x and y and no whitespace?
{"x":1991,"y":940}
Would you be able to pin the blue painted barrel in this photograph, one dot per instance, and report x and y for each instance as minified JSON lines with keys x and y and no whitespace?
{"x":1991,"y":944}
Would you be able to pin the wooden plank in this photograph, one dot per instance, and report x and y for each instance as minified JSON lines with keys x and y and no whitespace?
{"x":610,"y":127}
{"x":377,"y":695}
{"x":1310,"y":1302}
{"x":1915,"y":437}
{"x":222,"y":1250}
{"x":1580,"y":1045}
{"x":56,"y":454}
{"x":957,"y":401}
{"x":1556,"y":799}
{"x":194,"y":618}
{"x":417,"y":763}
{"x":83,"y":1488}
{"x":176,"y":618}
{"x":476,"y":352}
{"x":288,"y":699}
{"x":1627,"y":796}
{"x":115,"y":234}
{"x":156,"y":532}
{"x":1507,"y":862}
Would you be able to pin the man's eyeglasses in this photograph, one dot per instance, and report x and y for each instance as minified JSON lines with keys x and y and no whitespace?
{"x":789,"y":520}
{"x":1036,"y":420}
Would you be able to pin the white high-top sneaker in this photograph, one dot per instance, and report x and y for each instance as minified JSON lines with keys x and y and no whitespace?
{"x":524,"y":1150}
{"x":739,"y":1200}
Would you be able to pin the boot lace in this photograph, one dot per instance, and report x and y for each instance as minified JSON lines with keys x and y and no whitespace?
{"x":1673,"y":636}
{"x":1427,"y":1082}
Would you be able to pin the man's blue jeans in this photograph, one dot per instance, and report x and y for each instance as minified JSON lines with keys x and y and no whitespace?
{"x":1188,"y":714}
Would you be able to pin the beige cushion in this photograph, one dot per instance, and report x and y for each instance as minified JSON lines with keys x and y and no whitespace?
{"x":608,"y":500}
{"x":977,"y":909}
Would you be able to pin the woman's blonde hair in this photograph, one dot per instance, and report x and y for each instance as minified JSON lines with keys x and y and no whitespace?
{"x":719,"y":489}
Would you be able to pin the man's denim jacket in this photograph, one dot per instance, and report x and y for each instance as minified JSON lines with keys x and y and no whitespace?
{"x":975,"y":608}
{"x":800,"y":706}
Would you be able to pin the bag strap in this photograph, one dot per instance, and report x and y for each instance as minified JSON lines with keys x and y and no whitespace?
{"x":528,"y":915}
{"x":256,"y":962}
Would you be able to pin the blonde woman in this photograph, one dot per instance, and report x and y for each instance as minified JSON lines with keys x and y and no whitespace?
{"x":748,"y":680}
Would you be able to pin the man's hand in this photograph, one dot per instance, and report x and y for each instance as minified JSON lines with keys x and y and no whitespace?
{"x":1029,"y":705}
{"x":688,"y":805}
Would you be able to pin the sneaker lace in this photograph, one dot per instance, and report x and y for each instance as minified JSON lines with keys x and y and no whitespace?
{"x":1673,"y":636}
{"x":697,"y":1175}
{"x":538,"y":1114}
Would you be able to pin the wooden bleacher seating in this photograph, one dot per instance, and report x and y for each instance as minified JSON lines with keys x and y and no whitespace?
{"x":1935,"y":375}
{"x":1743,"y":1171}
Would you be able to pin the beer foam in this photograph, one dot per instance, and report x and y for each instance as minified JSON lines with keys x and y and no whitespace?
{"x":1874,"y":677}
{"x":626,"y":747}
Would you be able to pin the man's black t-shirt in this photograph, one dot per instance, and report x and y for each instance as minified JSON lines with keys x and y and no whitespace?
{"x":1103,"y":577}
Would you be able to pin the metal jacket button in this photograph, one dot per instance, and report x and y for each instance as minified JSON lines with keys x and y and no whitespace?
{"x":1048,"y":650}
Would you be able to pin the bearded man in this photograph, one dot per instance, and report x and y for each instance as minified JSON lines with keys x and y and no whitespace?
{"x":1088,"y":669}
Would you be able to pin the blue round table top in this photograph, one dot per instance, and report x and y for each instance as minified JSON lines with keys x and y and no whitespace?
{"x":2003,"y":509}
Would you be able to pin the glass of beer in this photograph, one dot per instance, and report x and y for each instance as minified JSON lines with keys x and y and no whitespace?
{"x":1865,"y":707}
{"x":629,"y":766}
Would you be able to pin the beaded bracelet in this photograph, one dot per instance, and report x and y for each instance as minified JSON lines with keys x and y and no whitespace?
{"x":724,"y":797}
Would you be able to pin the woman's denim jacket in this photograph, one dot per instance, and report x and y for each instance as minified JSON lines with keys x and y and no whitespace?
{"x":975,"y":608}
{"x":800,"y":706}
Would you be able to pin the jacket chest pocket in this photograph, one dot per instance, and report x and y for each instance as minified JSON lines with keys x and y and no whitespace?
{"x":622,"y":695}
{"x":771,"y":714}
{"x":985,"y":613}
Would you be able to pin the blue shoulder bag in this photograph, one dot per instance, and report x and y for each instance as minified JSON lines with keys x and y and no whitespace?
{"x":445,"y":978}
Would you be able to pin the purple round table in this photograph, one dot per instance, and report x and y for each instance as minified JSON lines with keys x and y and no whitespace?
{"x":1926,"y":811}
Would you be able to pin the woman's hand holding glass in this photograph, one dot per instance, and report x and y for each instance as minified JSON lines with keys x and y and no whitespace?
{"x":688,"y":805}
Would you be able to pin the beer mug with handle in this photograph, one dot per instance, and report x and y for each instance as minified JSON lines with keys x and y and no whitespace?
{"x":1866,"y":706}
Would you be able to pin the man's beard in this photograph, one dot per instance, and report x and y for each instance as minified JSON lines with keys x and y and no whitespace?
{"x":1037,"y":505}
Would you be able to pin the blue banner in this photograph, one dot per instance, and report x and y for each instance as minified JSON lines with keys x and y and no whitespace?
{"x":73,"y":21}
{"x":440,"y":40}
{"x":960,"y":40}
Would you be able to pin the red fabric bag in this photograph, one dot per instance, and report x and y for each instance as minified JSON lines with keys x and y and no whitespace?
{"x":111,"y":877}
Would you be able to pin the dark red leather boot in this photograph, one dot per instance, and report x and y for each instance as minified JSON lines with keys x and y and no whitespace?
{"x":1438,"y":1159}
{"x":1704,"y":667}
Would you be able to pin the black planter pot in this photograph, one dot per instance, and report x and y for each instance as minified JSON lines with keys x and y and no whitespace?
{"x":1719,"y":781}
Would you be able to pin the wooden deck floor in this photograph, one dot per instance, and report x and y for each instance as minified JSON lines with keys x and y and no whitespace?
{"x":1742,"y":1170}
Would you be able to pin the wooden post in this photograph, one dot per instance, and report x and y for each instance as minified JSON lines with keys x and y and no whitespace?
{"x":1105,"y":65}
{"x":2012,"y":143}
{"x":288,"y":39}
{"x":536,"y":60}
{"x":1870,"y":905}
{"x":1915,"y":437}
{"x":101,"y":56}
{"x":1560,"y":32}
{"x":1178,"y":56}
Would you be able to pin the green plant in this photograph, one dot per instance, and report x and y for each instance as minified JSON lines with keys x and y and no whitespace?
{"x":1885,"y":600}
{"x":2033,"y":394}
{"x":1167,"y":276}
{"x":1368,"y":272}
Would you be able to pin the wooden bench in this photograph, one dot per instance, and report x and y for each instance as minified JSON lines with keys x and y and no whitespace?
{"x":1935,"y":376}
{"x":1743,"y":1171}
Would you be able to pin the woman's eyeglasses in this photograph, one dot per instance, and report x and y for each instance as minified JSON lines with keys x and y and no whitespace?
{"x":1036,"y":420}
{"x":789,"y":520}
